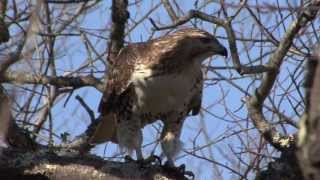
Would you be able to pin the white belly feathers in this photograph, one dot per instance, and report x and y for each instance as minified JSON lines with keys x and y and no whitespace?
{"x":165,"y":92}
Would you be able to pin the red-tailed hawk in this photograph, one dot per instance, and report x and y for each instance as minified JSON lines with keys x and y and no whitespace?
{"x":158,"y":79}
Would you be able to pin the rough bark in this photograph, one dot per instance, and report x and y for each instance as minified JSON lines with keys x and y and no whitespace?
{"x":119,"y":16}
{"x":45,"y":164}
{"x":309,"y":134}
{"x":4,"y":32}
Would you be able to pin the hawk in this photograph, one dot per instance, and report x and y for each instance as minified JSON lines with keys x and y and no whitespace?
{"x":157,"y":79}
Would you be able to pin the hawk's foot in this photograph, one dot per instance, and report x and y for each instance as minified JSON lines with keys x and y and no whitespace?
{"x":128,"y":159}
{"x":152,"y":159}
{"x":144,"y":162}
{"x":180,"y":170}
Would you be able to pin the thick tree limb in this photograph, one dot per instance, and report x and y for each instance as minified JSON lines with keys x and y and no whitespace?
{"x":67,"y":1}
{"x":5,"y":118}
{"x":309,"y":132}
{"x":49,"y":165}
{"x":119,"y":17}
{"x":4,"y":32}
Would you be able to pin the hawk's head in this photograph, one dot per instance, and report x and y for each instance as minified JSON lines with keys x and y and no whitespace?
{"x":196,"y":43}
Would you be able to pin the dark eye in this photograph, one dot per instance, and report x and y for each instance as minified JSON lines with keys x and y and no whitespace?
{"x":205,"y":40}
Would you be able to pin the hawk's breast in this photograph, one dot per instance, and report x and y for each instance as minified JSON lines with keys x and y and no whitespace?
{"x":160,"y":93}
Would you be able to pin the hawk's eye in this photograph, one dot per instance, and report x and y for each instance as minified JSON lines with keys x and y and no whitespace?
{"x":205,"y":40}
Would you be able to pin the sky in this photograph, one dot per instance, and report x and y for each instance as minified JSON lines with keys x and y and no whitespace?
{"x":67,"y":116}
{"x":219,"y":124}
{"x":215,"y":128}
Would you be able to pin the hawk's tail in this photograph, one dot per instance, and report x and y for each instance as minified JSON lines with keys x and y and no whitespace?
{"x":106,"y":130}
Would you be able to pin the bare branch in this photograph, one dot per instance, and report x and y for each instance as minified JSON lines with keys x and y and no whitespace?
{"x":190,"y":15}
{"x":58,"y":81}
{"x":119,"y":16}
{"x":4,"y":32}
{"x":255,"y":102}
{"x":87,"y":108}
{"x":66,"y":1}
{"x":170,"y":10}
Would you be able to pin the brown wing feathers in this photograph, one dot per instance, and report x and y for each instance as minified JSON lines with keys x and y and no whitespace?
{"x":118,"y":80}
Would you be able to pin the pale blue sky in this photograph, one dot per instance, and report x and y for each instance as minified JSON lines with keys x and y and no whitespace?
{"x":71,"y":54}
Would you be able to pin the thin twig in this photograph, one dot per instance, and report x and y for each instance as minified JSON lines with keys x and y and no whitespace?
{"x":87,"y":108}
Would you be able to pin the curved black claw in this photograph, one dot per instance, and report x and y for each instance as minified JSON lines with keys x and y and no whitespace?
{"x":144,"y":162}
{"x":128,"y":159}
{"x":149,"y":161}
{"x":180,"y":170}
{"x":153,"y":159}
{"x":190,"y":174}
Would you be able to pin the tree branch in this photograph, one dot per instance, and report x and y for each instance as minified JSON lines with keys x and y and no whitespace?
{"x":58,"y":81}
{"x":50,"y":165}
{"x":4,"y":32}
{"x":226,"y":24}
{"x":255,"y":102}
{"x":169,"y":10}
{"x":67,"y":1}
{"x":11,"y":59}
{"x":119,"y":16}
{"x":309,"y":131}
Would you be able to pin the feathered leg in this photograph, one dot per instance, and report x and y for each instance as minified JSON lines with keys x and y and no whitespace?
{"x":129,"y":135}
{"x":170,"y":136}
{"x":170,"y":141}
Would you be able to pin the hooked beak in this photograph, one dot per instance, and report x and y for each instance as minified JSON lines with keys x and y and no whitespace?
{"x":223,"y":51}
{"x":218,"y":49}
